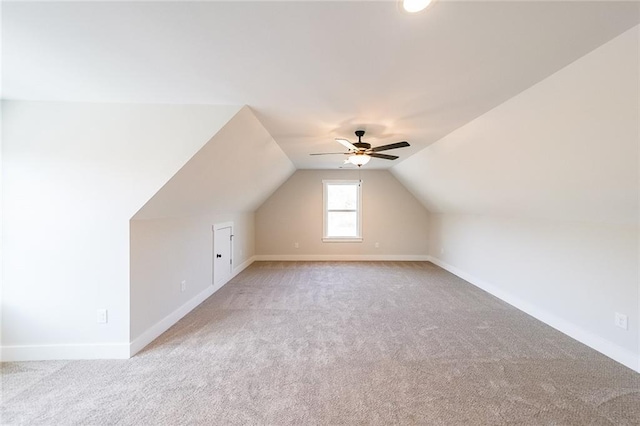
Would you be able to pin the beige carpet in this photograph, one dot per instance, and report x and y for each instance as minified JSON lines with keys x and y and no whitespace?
{"x":337,"y":343}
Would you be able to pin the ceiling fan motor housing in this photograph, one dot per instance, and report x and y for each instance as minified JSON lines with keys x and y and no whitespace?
{"x":361,"y":145}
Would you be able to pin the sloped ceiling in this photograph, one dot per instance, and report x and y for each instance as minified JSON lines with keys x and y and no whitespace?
{"x":311,"y":71}
{"x":566,"y":149}
{"x":62,"y":157}
{"x":235,"y":171}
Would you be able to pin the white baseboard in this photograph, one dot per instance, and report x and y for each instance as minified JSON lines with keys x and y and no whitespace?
{"x":617,"y":353}
{"x":110,"y":350}
{"x":341,"y":257}
{"x":64,"y":352}
{"x":244,"y":265}
{"x":153,"y":332}
{"x":164,"y":324}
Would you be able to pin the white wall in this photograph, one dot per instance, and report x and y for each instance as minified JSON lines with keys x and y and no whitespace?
{"x":573,"y":275}
{"x":171,"y":236}
{"x":164,"y":252}
{"x":234,"y":172}
{"x":1,"y":204}
{"x":73,"y":176}
{"x":391,"y":216}
{"x":537,"y":200}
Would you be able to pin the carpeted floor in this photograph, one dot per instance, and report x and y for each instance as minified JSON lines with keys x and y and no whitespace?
{"x":337,"y":343}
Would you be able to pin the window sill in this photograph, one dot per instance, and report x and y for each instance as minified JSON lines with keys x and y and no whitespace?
{"x":341,"y":240}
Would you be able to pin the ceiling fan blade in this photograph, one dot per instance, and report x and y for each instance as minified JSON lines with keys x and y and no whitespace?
{"x":390,"y":146}
{"x":328,"y":153}
{"x":383,"y":156}
{"x":346,"y":144}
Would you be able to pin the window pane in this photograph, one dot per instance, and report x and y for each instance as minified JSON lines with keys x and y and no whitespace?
{"x":342,"y":197}
{"x":342,"y":224}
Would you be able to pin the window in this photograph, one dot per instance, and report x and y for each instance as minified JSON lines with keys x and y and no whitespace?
{"x":342,"y":210}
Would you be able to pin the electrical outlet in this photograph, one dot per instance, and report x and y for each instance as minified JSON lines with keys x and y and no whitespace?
{"x":183,"y":285}
{"x":101,"y":316}
{"x":621,"y":321}
{"x":377,"y":245}
{"x":296,"y":245}
{"x":441,"y":250}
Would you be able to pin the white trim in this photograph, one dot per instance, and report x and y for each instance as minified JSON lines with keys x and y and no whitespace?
{"x":616,"y":352}
{"x":217,"y":227}
{"x":341,"y":257}
{"x":153,"y":332}
{"x":64,"y":352}
{"x":221,"y":225}
{"x":341,"y":240}
{"x":164,"y":324}
{"x":110,"y":350}
{"x":244,"y":265}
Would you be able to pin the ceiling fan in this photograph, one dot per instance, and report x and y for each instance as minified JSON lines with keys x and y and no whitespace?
{"x":361,"y":152}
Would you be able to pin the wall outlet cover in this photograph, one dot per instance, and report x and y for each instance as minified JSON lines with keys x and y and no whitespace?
{"x":621,"y":321}
{"x":101,"y":316}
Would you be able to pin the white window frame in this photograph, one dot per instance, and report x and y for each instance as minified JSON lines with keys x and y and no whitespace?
{"x":325,"y":211}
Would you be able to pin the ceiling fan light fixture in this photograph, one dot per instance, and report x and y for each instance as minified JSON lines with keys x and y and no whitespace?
{"x":359,"y":159}
{"x":413,"y":6}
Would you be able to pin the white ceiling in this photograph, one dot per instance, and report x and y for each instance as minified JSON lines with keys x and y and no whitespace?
{"x":564,"y":150}
{"x":311,"y":71}
{"x":201,"y":187}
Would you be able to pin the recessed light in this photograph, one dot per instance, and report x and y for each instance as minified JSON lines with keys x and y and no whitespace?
{"x":413,"y":6}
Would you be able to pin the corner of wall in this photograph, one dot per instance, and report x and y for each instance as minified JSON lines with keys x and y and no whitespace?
{"x":606,"y":347}
{"x":165,"y":323}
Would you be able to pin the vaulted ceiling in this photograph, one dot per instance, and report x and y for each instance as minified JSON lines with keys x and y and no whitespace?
{"x":311,"y":71}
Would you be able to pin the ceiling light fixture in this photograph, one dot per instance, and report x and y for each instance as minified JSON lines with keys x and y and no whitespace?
{"x":413,"y":6}
{"x":359,"y":159}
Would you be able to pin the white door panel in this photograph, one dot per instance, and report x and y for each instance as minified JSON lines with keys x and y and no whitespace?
{"x":222,"y":253}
